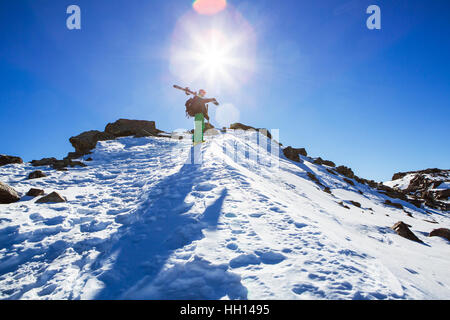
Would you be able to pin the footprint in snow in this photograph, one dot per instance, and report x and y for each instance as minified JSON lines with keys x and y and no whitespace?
{"x":307,"y":288}
{"x":230,"y":215}
{"x":94,"y":226}
{"x":54,"y":221}
{"x":276,"y":209}
{"x":270,"y":257}
{"x":256,"y":215}
{"x":205,"y":187}
{"x":300,"y":225}
{"x":244,"y":260}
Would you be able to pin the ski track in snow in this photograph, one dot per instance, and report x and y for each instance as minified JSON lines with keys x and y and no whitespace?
{"x":141,"y":223}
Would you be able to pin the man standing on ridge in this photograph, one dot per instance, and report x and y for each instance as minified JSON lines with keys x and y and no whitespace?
{"x":196,"y":107}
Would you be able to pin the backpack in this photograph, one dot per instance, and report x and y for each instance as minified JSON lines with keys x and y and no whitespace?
{"x":189,"y":110}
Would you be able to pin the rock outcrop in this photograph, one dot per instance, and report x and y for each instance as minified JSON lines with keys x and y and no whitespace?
{"x":8,"y":194}
{"x":328,"y":163}
{"x":240,"y":126}
{"x":4,"y":160}
{"x":125,"y":128}
{"x":355,"y":203}
{"x":86,"y":141}
{"x":393,"y":204}
{"x":36,"y":175}
{"x":402,"y":229}
{"x":53,"y":197}
{"x":294,"y":153}
{"x":35,"y":192}
{"x":441,"y":232}
{"x":43,"y":162}
{"x":433,"y":171}
{"x":426,"y":187}
{"x":60,"y":165}
{"x":345,"y":171}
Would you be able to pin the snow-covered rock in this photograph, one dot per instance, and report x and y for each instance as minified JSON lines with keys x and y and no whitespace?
{"x":430,"y":186}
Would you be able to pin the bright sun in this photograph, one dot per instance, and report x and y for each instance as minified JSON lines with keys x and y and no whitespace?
{"x":218,"y":55}
{"x":215,"y":56}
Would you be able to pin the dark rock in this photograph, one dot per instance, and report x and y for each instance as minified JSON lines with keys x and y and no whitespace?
{"x":398,"y":175}
{"x":327,"y":190}
{"x":35,"y":192}
{"x":441,"y":232}
{"x":265,"y":132}
{"x":433,"y":171}
{"x":436,"y":184}
{"x":332,"y":172}
{"x":343,"y":205}
{"x":418,"y":183}
{"x":60,"y":165}
{"x":443,"y":194}
{"x":393,"y":204}
{"x":4,"y":160}
{"x":392,"y":193}
{"x":86,"y":141}
{"x":328,"y":163}
{"x":43,"y":162}
{"x":53,"y":197}
{"x":356,"y":204}
{"x":293,"y":153}
{"x":240,"y":126}
{"x":74,"y":155}
{"x":237,"y":126}
{"x":345,"y":171}
{"x":416,"y":202}
{"x":372,"y":183}
{"x":313,"y":177}
{"x":8,"y":194}
{"x":36,"y":174}
{"x":63,"y":164}
{"x":125,"y":128}
{"x":402,"y":230}
{"x":349,"y":181}
{"x":360,"y":180}
{"x":89,"y":159}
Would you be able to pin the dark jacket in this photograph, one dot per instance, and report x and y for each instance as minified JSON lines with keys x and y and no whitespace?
{"x":199,"y":106}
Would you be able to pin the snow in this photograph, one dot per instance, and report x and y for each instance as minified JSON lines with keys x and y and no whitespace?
{"x":142,"y":222}
{"x":402,"y":183}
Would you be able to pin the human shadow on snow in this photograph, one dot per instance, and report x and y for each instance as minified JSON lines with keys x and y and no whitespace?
{"x":135,"y":260}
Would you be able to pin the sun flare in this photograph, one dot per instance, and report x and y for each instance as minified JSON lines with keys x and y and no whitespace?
{"x":218,"y":54}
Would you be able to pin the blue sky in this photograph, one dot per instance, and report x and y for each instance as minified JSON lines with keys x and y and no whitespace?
{"x":375,"y":100}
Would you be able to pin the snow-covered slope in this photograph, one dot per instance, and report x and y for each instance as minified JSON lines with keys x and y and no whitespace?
{"x":141,"y":222}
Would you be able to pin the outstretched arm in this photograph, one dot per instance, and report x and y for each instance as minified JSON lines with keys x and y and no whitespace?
{"x":213,"y":100}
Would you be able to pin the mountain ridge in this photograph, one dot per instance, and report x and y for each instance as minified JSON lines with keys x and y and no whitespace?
{"x":142,"y":221}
